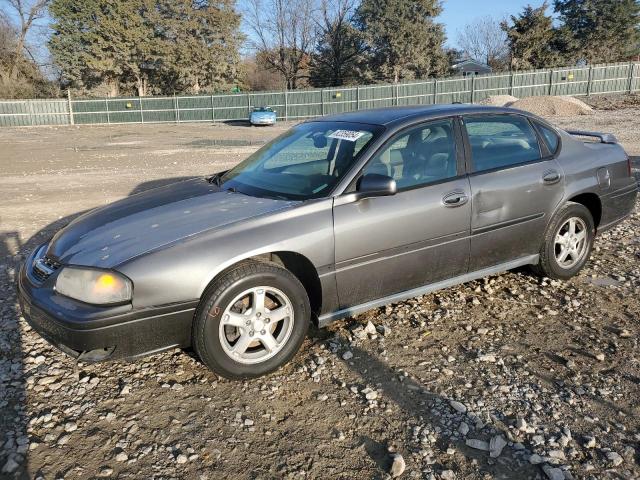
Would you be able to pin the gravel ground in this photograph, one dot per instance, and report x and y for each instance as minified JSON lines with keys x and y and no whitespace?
{"x":506,"y":377}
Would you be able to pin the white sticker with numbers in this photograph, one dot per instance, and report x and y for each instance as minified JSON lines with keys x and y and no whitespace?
{"x":349,"y":135}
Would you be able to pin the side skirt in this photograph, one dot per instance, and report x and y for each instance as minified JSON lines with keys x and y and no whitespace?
{"x":327,"y":318}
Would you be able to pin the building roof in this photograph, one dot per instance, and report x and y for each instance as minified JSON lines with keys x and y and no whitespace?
{"x":470,"y":61}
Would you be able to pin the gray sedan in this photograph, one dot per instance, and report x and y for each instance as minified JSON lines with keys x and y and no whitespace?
{"x":337,"y":216}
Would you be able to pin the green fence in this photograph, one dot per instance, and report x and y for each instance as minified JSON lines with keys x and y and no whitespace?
{"x":300,"y":104}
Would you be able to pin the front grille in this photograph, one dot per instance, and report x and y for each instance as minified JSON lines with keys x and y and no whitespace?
{"x":43,"y":268}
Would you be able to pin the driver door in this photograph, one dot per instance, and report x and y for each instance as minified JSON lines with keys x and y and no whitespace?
{"x":420,"y":235}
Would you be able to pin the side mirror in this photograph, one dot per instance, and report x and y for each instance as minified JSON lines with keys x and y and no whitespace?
{"x":375,"y":185}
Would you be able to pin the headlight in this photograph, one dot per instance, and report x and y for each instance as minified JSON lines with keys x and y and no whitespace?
{"x":100,"y":287}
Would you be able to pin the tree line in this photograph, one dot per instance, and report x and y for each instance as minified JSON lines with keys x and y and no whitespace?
{"x":143,"y":47}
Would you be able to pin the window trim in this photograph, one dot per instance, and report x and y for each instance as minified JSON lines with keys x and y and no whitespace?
{"x":458,"y":142}
{"x":538,"y":124}
{"x":542,"y":146}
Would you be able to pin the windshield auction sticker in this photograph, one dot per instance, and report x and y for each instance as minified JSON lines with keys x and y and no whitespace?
{"x":349,"y":135}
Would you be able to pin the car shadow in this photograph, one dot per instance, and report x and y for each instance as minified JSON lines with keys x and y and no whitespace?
{"x":14,"y":370}
{"x":13,"y":421}
{"x":420,"y":406}
{"x":238,"y":123}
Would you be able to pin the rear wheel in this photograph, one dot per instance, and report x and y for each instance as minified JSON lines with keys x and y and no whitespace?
{"x":568,"y":242}
{"x":251,"y":320}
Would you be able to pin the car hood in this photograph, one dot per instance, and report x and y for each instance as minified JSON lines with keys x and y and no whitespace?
{"x":110,"y":235}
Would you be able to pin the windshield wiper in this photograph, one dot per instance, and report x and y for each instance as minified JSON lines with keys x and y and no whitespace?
{"x":215,"y":179}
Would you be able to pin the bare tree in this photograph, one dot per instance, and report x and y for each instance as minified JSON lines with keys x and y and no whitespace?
{"x":339,"y":47}
{"x":27,"y":13}
{"x":284,"y":35}
{"x":484,"y":40}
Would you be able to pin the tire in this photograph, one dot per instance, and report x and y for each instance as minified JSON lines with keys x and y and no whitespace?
{"x":551,"y":263}
{"x":232,"y":322}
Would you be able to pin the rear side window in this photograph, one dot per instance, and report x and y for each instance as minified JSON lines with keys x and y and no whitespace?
{"x":499,"y":141}
{"x":550,"y":137}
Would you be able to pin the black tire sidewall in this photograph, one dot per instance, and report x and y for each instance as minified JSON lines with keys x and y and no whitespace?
{"x":549,"y":263}
{"x":210,"y":315}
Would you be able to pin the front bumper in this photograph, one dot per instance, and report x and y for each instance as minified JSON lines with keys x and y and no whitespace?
{"x":90,"y":333}
{"x":263,"y":121}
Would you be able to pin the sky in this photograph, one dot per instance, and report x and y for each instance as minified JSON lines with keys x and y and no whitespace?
{"x":458,"y":13}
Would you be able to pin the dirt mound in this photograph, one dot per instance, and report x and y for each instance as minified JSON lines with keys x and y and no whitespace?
{"x":548,"y":106}
{"x":499,"y":100}
{"x":614,"y":101}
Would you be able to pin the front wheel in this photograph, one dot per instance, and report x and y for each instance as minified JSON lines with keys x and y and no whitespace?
{"x":251,"y":320}
{"x":567,"y":243}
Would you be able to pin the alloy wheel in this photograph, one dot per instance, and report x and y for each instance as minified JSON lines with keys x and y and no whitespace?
{"x":571,"y":242}
{"x":256,"y":325}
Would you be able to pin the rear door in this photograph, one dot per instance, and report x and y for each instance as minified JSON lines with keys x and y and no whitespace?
{"x":386,"y":245}
{"x":516,"y":184}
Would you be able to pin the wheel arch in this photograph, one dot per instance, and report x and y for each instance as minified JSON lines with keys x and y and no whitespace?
{"x":592,"y":203}
{"x":296,"y":263}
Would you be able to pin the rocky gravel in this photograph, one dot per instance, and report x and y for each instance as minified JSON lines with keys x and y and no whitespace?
{"x":510,"y":376}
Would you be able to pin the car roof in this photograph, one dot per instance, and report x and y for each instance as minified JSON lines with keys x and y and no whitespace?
{"x":390,"y":115}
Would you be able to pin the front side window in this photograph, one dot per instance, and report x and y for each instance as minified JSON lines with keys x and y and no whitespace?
{"x":305,"y":162}
{"x":499,"y":141}
{"x":419,"y":156}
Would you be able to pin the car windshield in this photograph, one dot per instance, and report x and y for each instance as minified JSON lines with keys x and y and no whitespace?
{"x":263,"y":109}
{"x":305,"y":162}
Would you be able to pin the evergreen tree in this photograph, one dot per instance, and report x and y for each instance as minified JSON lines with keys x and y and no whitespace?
{"x":126,"y":48}
{"x":73,"y":31}
{"x":600,"y":30}
{"x":148,"y":46}
{"x":532,"y":40}
{"x":201,"y":41}
{"x":403,"y":39}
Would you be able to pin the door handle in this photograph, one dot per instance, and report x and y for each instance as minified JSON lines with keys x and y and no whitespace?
{"x":454,"y":199}
{"x":551,"y":177}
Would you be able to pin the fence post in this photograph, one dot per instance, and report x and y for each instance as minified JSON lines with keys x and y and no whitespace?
{"x":435,"y":91}
{"x":106,"y":106}
{"x":511,"y":84}
{"x":29,"y":104}
{"x":322,"y":100}
{"x":589,"y":76}
{"x":395,"y":93}
{"x":70,"y":106}
{"x":213,"y":110}
{"x":141,"y":111}
{"x":473,"y":87}
{"x":248,"y":105}
{"x":550,"y":81}
{"x":631,"y":65}
{"x":176,"y":108}
{"x":357,"y":97}
{"x":286,"y":106}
